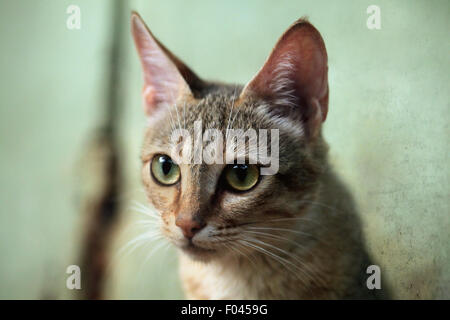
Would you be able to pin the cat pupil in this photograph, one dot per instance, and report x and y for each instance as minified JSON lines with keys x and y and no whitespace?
{"x":241,"y":172}
{"x":166,"y":166}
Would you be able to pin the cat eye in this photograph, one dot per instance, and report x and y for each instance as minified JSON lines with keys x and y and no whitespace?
{"x":241,"y":177}
{"x":164,"y":170}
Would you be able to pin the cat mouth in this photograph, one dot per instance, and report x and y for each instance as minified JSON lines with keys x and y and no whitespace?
{"x":195,"y":250}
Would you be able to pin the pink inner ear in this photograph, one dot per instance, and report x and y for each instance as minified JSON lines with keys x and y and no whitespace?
{"x":150,"y":99}
{"x":295,"y":74}
{"x":163,"y":82}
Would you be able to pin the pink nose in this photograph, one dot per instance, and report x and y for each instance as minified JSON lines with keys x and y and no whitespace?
{"x":189,"y":226}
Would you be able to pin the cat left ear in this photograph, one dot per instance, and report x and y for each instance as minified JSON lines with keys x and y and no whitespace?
{"x":294,"y":77}
{"x":166,"y":78}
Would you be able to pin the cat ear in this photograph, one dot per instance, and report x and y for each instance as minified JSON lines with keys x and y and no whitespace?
{"x":294,"y":77}
{"x":166,"y":78}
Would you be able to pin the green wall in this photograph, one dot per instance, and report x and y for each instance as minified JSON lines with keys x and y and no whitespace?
{"x":388,"y":128}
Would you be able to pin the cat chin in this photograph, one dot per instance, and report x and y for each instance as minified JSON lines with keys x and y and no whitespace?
{"x":197,"y":253}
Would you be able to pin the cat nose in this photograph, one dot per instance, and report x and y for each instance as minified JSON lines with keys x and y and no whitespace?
{"x":189,"y":226}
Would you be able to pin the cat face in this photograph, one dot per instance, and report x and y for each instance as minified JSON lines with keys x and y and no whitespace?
{"x":211,"y":210}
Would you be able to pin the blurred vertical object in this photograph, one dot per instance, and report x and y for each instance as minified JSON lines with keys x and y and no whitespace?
{"x":102,"y":205}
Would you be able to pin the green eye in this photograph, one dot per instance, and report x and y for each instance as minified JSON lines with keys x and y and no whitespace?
{"x":164,"y":170}
{"x":242,"y":177}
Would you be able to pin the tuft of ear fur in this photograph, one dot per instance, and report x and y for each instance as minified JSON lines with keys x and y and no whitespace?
{"x":294,"y":77}
{"x":166,"y":78}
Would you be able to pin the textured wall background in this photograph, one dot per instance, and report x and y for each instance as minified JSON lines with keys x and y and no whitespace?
{"x":388,"y":128}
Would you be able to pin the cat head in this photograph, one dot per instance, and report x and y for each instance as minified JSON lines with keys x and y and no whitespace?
{"x":215,"y":209}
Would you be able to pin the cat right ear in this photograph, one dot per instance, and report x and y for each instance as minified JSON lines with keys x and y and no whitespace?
{"x":165,"y":76}
{"x":294,"y":77}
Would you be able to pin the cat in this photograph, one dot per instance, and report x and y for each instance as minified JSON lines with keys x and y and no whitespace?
{"x":294,"y":234}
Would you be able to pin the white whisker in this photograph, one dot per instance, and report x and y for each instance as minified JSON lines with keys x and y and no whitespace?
{"x":281,"y":229}
{"x":231,"y":112}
